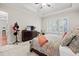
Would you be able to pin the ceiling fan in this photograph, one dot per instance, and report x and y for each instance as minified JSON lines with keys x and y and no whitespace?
{"x":42,"y":5}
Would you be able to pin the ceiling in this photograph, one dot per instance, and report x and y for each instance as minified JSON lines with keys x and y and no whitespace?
{"x":57,"y":7}
{"x":46,"y":10}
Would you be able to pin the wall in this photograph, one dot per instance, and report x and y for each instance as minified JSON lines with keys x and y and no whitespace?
{"x":73,"y":18}
{"x":22,"y":16}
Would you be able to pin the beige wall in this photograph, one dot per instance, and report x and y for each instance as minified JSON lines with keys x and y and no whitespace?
{"x":22,"y":16}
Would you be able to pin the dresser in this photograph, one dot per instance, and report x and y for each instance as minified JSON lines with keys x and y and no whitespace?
{"x":28,"y":35}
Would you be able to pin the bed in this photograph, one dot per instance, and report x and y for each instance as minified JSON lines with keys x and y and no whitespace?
{"x":66,"y":46}
{"x":49,"y":48}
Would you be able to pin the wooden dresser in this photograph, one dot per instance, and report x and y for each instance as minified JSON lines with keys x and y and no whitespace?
{"x":28,"y":35}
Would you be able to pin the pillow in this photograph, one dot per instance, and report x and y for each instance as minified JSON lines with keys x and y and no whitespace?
{"x":64,"y":34}
{"x":42,"y":40}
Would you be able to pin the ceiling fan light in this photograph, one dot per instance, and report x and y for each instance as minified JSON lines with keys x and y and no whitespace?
{"x":44,"y":4}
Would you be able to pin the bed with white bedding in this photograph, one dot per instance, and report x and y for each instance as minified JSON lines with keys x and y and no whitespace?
{"x":49,"y":48}
{"x":66,"y":46}
{"x":20,"y":49}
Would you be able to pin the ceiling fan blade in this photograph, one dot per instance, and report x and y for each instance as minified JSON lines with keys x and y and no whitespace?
{"x":36,"y":3}
{"x":48,"y":5}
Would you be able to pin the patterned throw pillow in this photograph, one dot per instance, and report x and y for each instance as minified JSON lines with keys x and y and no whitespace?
{"x":42,"y":40}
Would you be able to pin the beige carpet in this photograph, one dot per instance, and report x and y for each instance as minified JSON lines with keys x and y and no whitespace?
{"x":22,"y":49}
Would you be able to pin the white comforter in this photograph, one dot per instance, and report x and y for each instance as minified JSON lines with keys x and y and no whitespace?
{"x":21,"y":49}
{"x":65,"y":51}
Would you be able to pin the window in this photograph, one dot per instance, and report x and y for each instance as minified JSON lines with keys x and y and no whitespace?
{"x":57,"y":25}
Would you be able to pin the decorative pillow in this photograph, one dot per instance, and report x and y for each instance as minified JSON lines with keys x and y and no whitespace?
{"x":42,"y":40}
{"x":64,"y":34}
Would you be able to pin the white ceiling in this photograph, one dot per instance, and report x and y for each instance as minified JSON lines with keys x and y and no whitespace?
{"x":56,"y":8}
{"x":46,"y":11}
